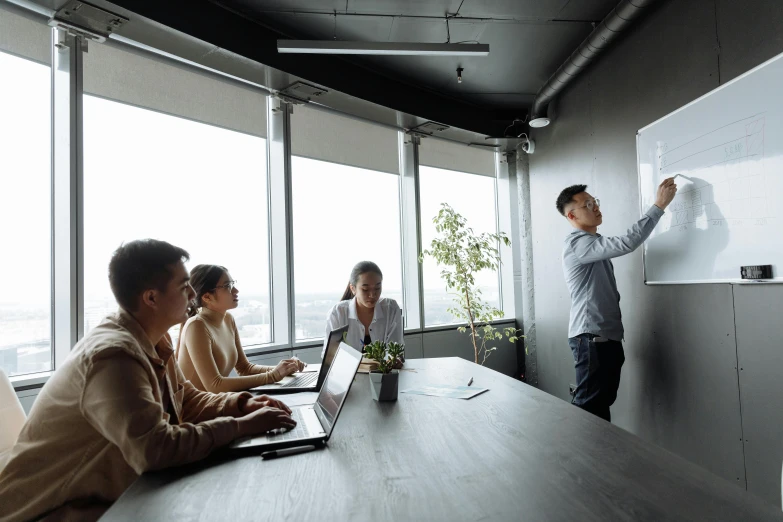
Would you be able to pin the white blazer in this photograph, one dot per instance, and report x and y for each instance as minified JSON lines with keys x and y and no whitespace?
{"x":386,"y":323}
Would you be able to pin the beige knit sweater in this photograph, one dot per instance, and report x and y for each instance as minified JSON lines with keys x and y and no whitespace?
{"x":209,"y":348}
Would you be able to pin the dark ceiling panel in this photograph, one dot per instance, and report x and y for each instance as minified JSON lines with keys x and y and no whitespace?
{"x":594,"y":10}
{"x":541,"y":10}
{"x":223,"y":28}
{"x":521,"y":59}
{"x":523,"y":54}
{"x":313,"y":26}
{"x":528,"y":39}
{"x":577,"y":10}
{"x":384,"y":7}
{"x":505,"y":101}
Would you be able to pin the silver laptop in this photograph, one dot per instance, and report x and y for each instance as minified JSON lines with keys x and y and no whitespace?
{"x":314,"y":422}
{"x":308,"y":381}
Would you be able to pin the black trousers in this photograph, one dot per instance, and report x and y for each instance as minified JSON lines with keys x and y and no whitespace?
{"x":598,"y":366}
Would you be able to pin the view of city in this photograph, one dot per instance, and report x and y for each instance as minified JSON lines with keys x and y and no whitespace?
{"x":26,"y":346}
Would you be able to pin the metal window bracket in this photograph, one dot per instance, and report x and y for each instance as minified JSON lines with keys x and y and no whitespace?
{"x":418,"y":135}
{"x":282,"y":99}
{"x":87,"y":22}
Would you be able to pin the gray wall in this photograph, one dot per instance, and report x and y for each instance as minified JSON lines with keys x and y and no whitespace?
{"x":681,"y":387}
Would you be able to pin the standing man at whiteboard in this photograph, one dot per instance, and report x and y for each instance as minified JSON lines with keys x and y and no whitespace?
{"x":596,"y":329}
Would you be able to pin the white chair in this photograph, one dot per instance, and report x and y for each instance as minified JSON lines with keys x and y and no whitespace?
{"x":13,"y":418}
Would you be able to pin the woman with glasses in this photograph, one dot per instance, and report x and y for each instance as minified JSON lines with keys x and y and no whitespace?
{"x":209,"y":347}
{"x":369,"y":316}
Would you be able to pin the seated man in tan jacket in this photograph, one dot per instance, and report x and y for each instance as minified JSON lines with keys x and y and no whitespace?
{"x":119,"y":405}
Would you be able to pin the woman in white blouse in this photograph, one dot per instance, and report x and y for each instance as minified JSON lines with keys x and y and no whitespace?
{"x":369,"y":316}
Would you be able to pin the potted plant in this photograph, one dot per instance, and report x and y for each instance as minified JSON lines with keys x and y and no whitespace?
{"x":462,"y":254}
{"x":384,"y":380}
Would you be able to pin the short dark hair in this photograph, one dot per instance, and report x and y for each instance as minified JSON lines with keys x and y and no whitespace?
{"x":140,"y":265}
{"x":567,"y":196}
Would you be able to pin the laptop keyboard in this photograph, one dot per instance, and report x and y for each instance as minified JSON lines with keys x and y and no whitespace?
{"x":300,"y":432}
{"x":303,"y":380}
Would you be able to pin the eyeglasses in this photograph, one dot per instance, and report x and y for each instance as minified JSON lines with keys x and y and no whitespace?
{"x":228,"y":286}
{"x":590,"y":205}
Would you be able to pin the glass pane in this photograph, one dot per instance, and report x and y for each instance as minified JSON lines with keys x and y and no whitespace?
{"x":342,"y":215}
{"x":474,"y":198}
{"x":25,"y":182}
{"x":199,"y":187}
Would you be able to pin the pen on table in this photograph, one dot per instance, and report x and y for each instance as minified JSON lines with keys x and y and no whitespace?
{"x":470,"y":381}
{"x":287,"y":451}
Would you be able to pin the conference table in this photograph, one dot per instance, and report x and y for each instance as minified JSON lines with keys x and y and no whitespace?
{"x":511,"y":453}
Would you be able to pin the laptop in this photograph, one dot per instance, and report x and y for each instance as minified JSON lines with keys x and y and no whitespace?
{"x":307,"y":381}
{"x":314,"y":422}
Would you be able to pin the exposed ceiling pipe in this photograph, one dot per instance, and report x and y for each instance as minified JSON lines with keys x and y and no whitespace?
{"x":615,"y":22}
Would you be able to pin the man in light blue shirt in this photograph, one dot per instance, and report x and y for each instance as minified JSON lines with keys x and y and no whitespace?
{"x":596,"y":329}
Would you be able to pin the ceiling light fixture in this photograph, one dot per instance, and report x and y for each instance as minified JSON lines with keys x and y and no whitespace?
{"x":459,"y":74}
{"x":381,"y":48}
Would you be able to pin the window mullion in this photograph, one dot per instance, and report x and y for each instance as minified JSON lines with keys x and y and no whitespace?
{"x":280,"y":225}
{"x":67,"y":195}
{"x":410,"y":224}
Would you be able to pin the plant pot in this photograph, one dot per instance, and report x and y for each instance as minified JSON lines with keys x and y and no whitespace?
{"x":384,"y":385}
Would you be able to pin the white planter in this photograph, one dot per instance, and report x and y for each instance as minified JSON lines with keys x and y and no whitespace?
{"x":384,"y":386}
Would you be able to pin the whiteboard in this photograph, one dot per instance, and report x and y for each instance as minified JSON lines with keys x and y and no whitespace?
{"x":729,"y":212}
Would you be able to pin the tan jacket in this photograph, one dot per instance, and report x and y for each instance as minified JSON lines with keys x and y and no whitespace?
{"x":209,"y":347}
{"x":101,"y":420}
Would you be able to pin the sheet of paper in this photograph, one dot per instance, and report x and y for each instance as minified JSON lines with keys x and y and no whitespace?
{"x":451,"y":391}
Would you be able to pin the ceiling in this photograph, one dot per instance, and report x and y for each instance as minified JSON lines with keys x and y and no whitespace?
{"x":528,"y":39}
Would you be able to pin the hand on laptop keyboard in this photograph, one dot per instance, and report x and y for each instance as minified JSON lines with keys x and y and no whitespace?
{"x":261,"y":401}
{"x":264,"y":420}
{"x":300,"y":431}
{"x":287,"y":367}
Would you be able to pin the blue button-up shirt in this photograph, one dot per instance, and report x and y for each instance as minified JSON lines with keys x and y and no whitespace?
{"x":589,"y":274}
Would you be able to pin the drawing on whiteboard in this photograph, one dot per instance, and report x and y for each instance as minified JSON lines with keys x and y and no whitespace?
{"x":730,"y":164}
{"x":684,"y":237}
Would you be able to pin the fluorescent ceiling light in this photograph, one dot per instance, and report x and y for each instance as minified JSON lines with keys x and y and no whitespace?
{"x":387,"y":48}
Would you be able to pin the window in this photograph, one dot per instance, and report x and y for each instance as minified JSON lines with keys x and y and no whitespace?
{"x":470,"y":194}
{"x":196,"y":186}
{"x":345,"y":201}
{"x":342,"y":215}
{"x":25,"y":182}
{"x":181,"y":177}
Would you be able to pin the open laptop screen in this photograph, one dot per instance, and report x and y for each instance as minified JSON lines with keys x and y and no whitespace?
{"x":336,"y":385}
{"x":331,"y":346}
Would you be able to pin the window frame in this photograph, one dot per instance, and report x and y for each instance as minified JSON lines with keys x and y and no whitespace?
{"x":505,"y":273}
